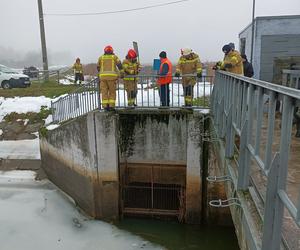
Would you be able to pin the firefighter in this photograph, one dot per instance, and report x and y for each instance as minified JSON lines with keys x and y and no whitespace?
{"x":78,"y":71}
{"x":188,"y":64}
{"x":233,"y":61}
{"x":110,"y":69}
{"x":131,"y":67}
{"x":164,"y":79}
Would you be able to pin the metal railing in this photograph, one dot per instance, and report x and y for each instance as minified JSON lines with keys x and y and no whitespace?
{"x":87,"y":97}
{"x":240,"y":106}
{"x":41,"y":75}
{"x":77,"y":103}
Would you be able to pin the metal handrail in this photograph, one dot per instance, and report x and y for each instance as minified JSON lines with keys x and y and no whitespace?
{"x":237,"y":102}
{"x":87,"y":97}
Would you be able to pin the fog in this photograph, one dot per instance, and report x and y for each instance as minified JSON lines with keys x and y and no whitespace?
{"x":205,"y":26}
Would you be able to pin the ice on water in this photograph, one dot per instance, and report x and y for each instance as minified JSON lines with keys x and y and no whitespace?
{"x":35,"y":215}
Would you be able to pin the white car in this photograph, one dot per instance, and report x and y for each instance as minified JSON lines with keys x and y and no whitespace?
{"x":10,"y":78}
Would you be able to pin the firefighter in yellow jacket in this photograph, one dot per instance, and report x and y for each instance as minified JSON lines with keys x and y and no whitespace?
{"x":110,"y":68}
{"x":233,"y":61}
{"x":188,"y":64}
{"x":78,"y":71}
{"x":131,"y":67}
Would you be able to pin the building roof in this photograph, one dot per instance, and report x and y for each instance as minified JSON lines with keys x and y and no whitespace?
{"x":270,"y":18}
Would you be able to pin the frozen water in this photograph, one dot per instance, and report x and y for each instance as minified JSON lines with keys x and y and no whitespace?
{"x":35,"y":216}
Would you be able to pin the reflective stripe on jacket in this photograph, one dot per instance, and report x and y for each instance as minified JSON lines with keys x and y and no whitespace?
{"x":77,"y":67}
{"x":107,"y":65}
{"x":130,"y":68}
{"x":162,"y":80}
{"x":189,"y":65}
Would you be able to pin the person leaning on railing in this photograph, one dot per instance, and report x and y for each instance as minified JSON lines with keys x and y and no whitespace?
{"x":131,"y":67}
{"x":164,"y":78}
{"x":109,"y":67}
{"x":188,"y":64}
{"x":232,"y":62}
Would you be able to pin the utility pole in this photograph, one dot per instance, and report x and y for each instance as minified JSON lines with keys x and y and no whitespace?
{"x":43,"y":40}
{"x":252,"y":36}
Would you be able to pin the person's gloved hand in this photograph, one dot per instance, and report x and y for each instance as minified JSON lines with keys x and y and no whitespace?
{"x":228,"y":66}
{"x":199,"y":74}
{"x":177,"y":74}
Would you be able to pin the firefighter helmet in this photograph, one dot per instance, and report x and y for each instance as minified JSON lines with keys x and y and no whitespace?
{"x":108,"y":49}
{"x":131,"y":54}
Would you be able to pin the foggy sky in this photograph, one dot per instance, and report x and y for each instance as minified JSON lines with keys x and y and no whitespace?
{"x":205,"y":26}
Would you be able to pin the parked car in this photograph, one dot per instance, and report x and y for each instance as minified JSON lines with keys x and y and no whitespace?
{"x":31,"y":71}
{"x":10,"y":78}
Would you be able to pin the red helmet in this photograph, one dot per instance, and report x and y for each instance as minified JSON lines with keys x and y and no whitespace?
{"x":131,"y":54}
{"x":108,"y":49}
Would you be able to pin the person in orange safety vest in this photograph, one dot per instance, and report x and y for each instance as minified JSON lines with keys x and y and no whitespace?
{"x":164,"y":78}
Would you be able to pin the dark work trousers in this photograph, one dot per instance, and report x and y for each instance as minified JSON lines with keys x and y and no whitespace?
{"x":78,"y":77}
{"x":164,"y":95}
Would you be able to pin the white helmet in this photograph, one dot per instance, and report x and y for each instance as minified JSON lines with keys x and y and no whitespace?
{"x":186,"y":51}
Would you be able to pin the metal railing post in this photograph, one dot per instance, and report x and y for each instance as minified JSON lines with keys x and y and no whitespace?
{"x":270,"y":133}
{"x":58,"y":76}
{"x":229,"y":149}
{"x":272,"y":235}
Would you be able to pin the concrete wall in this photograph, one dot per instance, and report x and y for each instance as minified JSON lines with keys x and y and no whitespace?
{"x":280,"y":25}
{"x":80,"y":157}
{"x":147,"y":136}
{"x":83,"y":156}
{"x":246,"y":217}
{"x":168,"y":138}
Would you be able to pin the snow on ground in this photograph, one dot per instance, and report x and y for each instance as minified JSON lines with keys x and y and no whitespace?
{"x":22,"y":104}
{"x":69,"y":79}
{"x":65,"y":82}
{"x":48,"y":120}
{"x":35,"y":215}
{"x":22,"y":149}
{"x":150,"y":97}
{"x":52,"y":126}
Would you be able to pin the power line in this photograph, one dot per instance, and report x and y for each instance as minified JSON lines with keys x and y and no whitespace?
{"x":116,"y":11}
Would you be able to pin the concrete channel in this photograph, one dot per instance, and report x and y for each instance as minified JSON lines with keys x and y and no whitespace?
{"x":142,"y":163}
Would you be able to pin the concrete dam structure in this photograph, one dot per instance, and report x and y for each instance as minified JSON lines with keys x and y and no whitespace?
{"x":230,"y":158}
{"x":132,"y":162}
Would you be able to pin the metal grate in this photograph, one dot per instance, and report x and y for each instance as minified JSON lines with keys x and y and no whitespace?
{"x":153,"y":196}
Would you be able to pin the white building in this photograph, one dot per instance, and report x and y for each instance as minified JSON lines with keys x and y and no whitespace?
{"x":276,"y":45}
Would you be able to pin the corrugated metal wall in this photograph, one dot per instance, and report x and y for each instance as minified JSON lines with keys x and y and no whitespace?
{"x":277,"y":46}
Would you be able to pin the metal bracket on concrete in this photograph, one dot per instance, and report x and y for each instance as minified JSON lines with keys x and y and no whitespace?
{"x":208,"y":136}
{"x":219,"y":178}
{"x":225,"y":203}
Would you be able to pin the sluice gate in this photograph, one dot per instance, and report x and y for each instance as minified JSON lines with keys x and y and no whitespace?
{"x":155,"y":190}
